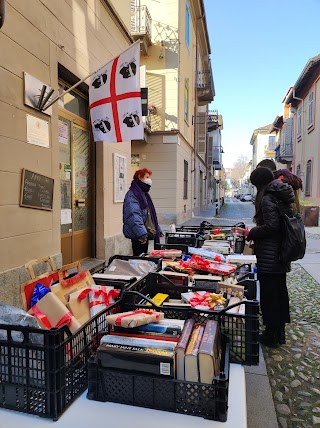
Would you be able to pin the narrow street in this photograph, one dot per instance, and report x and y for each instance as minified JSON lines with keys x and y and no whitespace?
{"x":294,"y":368}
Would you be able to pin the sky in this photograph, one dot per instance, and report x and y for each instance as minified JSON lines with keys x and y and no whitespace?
{"x":258,"y":50}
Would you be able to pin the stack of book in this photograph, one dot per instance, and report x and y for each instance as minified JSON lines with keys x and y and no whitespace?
{"x":173,"y":348}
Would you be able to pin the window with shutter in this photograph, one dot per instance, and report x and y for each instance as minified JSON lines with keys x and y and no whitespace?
{"x":299,"y":121}
{"x":185,"y":180}
{"x":311,"y":108}
{"x":308,"y":178}
{"x":202,"y":132}
{"x":288,"y":138}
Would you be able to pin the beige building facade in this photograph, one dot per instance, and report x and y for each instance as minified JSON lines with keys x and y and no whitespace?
{"x":176,"y":69}
{"x":302,"y":101}
{"x":56,"y":43}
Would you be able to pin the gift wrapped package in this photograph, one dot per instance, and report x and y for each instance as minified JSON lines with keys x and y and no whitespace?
{"x":79,"y":308}
{"x":51,"y":312}
{"x":134,"y":318}
{"x":99,"y":297}
{"x":77,"y":282}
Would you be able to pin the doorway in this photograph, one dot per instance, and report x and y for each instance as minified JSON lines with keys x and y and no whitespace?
{"x":76,"y":186}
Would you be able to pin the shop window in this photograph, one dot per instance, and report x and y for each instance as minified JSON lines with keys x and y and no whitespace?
{"x":74,"y":102}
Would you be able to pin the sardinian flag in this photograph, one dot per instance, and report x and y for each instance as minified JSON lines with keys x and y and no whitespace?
{"x":115,"y":99}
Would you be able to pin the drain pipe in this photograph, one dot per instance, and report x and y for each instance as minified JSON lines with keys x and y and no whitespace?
{"x":2,"y":12}
{"x":302,"y":124}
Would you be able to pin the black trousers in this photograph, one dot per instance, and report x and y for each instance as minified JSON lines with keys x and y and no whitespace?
{"x":138,"y":248}
{"x":274,"y":299}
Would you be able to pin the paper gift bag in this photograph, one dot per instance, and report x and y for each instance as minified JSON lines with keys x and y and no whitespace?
{"x":67,"y":286}
{"x":79,"y":308}
{"x":51,"y":312}
{"x":100,"y":297}
{"x":248,"y":249}
{"x":134,"y":318}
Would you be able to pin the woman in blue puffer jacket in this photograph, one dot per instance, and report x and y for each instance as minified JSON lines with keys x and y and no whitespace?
{"x":136,"y":204}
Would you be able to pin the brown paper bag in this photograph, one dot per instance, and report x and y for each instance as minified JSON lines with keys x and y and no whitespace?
{"x":50,"y":313}
{"x":79,"y":308}
{"x":248,"y":249}
{"x":134,"y":318}
{"x":68,"y":286}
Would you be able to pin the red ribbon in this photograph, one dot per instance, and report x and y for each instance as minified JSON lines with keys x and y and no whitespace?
{"x":66,"y":319}
{"x":73,"y":280}
{"x":137,"y":312}
{"x":107,"y":295}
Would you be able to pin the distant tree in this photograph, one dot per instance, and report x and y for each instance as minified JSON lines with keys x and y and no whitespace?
{"x":239,"y":168}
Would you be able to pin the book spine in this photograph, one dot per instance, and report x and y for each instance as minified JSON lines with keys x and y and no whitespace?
{"x":209,"y":337}
{"x":149,"y":335}
{"x":137,"y":359}
{"x":137,"y":342}
{"x":186,"y":333}
{"x":195,"y":340}
{"x":152,"y":328}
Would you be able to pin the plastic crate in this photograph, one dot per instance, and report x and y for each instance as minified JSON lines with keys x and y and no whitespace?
{"x":43,"y":373}
{"x":184,"y":238}
{"x":242,"y":330}
{"x":190,"y":398}
{"x":182,"y":247}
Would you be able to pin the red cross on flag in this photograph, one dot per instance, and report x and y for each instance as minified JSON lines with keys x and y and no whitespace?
{"x":115,"y":99}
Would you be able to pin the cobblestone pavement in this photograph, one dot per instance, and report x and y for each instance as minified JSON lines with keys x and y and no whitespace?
{"x":294,"y":368}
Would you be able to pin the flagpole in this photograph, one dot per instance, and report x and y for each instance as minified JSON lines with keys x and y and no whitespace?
{"x":85,"y":78}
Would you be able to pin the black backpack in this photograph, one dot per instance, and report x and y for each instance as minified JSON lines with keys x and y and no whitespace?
{"x":293,"y":245}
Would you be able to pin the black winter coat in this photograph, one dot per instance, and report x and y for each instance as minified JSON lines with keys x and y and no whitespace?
{"x":267,"y":234}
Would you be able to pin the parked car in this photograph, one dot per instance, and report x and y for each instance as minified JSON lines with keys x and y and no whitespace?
{"x":246,"y":197}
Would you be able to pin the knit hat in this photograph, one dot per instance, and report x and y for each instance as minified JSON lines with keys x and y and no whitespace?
{"x":261,"y":176}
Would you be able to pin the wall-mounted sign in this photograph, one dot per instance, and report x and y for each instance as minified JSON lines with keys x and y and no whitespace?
{"x":38,"y":131}
{"x":36,"y":191}
{"x":119,"y":177}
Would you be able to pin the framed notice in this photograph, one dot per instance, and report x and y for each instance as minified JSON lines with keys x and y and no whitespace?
{"x":37,"y":131}
{"x":36,"y":191}
{"x":119,"y":177}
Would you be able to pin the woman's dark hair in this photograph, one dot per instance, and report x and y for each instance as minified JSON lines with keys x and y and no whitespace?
{"x":261,"y":177}
{"x":267,"y":163}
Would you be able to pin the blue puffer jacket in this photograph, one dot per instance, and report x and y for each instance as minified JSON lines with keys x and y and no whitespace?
{"x":134,"y":218}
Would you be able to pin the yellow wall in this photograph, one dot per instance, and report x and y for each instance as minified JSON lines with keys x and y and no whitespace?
{"x":36,"y":36}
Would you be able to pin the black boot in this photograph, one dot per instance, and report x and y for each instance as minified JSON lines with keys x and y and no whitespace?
{"x":270,"y":337}
{"x":281,"y":334}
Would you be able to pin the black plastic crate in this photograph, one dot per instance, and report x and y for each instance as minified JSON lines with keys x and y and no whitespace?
{"x":182,"y":247}
{"x":241,"y":329}
{"x":184,"y":238}
{"x":43,"y":371}
{"x":209,"y":401}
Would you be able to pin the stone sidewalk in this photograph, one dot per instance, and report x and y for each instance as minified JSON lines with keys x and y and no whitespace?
{"x":284,"y":390}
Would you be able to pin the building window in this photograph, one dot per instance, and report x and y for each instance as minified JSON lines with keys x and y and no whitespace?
{"x":308,"y":178}
{"x":311,"y":110}
{"x":299,"y":122}
{"x":185,"y":180}
{"x":298,"y":170}
{"x":188,"y":25}
{"x":186,"y":100}
{"x":272,"y":142}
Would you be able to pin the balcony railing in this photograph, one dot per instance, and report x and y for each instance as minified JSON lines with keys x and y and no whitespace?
{"x":212,"y":120}
{"x":141,"y":24}
{"x":205,"y":86}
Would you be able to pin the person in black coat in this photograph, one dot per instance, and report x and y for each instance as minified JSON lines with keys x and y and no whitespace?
{"x":272,"y":196}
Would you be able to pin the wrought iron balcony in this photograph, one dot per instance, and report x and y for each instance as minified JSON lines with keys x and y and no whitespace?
{"x":205,"y":86}
{"x":141,"y":24}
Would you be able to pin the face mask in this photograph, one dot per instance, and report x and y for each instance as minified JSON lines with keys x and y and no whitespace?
{"x":148,"y":181}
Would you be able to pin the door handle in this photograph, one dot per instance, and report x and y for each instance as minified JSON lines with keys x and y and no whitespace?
{"x":80,"y":202}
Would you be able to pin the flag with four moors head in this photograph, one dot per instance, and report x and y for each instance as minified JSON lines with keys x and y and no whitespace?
{"x":115,"y":99}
